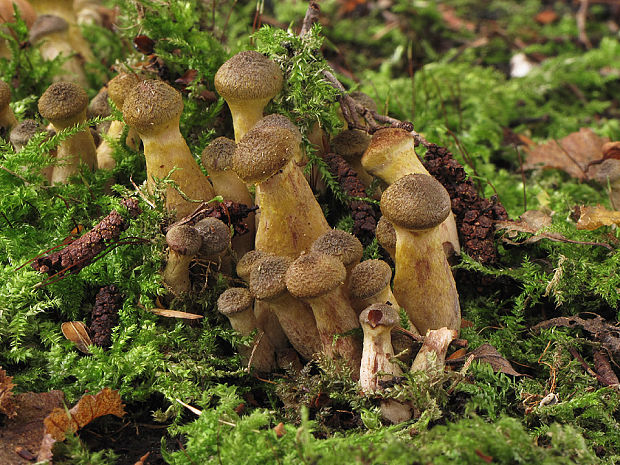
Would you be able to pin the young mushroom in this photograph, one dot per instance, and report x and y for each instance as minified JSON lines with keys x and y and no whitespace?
{"x":342,"y":245}
{"x":370,"y":284}
{"x":153,"y":109}
{"x":184,"y":242}
{"x":351,"y":144}
{"x":317,"y":279}
{"x":236,"y":304}
{"x":217,"y":159}
{"x":215,"y":243}
{"x":290,"y":218}
{"x":386,"y":236}
{"x":248,"y":81}
{"x":378,"y":363}
{"x":7,"y":117}
{"x":22,"y":133}
{"x":64,"y":105}
{"x":390,"y":156}
{"x":423,"y":283}
{"x":268,"y":284}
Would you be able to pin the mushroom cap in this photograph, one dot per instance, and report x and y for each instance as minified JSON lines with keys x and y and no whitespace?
{"x":340,"y":244}
{"x":151,"y":104}
{"x":386,"y":139}
{"x":608,"y":170}
{"x":234,"y":300}
{"x":314,"y":274}
{"x":248,"y":75}
{"x":5,"y":94}
{"x":379,"y":315}
{"x":120,"y":86}
{"x":62,"y":100}
{"x":99,"y":106}
{"x":24,"y":7}
{"x":369,"y":278}
{"x":279,"y":121}
{"x":247,"y":262}
{"x":385,"y":233}
{"x":215,"y":236}
{"x":364,"y":100}
{"x":21,"y":134}
{"x":217,"y":156}
{"x":262,"y":152}
{"x":267,"y":279}
{"x":184,"y":239}
{"x":416,"y":201}
{"x":45,"y":25}
{"x":351,"y":143}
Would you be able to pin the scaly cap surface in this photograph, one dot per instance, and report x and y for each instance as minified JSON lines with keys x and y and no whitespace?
{"x":314,"y":274}
{"x":340,"y":244}
{"x":151,"y":104}
{"x":217,"y":156}
{"x":215,"y":236}
{"x":234,"y":300}
{"x":184,"y":239}
{"x":62,"y":100}
{"x":369,"y":278}
{"x":267,"y":279}
{"x":120,"y":86}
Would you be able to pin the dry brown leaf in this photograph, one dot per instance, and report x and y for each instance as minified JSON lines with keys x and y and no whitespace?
{"x":7,"y":402}
{"x":175,"y":314}
{"x":546,"y":17}
{"x":280,"y":430}
{"x":572,"y":154}
{"x":448,"y":14}
{"x":591,"y":218}
{"x":89,"y":407}
{"x":20,"y":437}
{"x":611,"y":150}
{"x":489,"y":354}
{"x":77,"y":333}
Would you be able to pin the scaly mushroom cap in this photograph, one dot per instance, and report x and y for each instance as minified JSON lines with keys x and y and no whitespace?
{"x":217,"y":156}
{"x":351,"y":143}
{"x":21,"y":134}
{"x":184,"y":240}
{"x":248,"y":75}
{"x":385,"y":234}
{"x":5,"y":94}
{"x":609,"y":170}
{"x":234,"y":300}
{"x":267,"y":279}
{"x":99,"y":106}
{"x":340,"y":244}
{"x":314,"y":274}
{"x":151,"y":104}
{"x":215,"y":236}
{"x":364,"y":100}
{"x":62,"y":101}
{"x":278,"y":121}
{"x":45,"y":25}
{"x":247,"y":262}
{"x":379,"y":315}
{"x":416,"y":201}
{"x":368,"y":278}
{"x":384,"y":140}
{"x":120,"y":86}
{"x":262,"y":152}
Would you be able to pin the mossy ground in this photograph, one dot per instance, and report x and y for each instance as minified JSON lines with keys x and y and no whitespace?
{"x":457,"y":91}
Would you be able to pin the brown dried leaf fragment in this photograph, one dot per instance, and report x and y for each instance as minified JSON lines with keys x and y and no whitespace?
{"x":591,"y":218}
{"x":76,"y":332}
{"x":489,"y":354}
{"x":572,"y":154}
{"x":7,"y":404}
{"x":89,"y":407}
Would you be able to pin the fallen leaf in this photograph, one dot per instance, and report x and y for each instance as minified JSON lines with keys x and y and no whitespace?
{"x":76,"y":332}
{"x":611,"y":150}
{"x":144,"y":44}
{"x":591,"y":218}
{"x":486,"y":458}
{"x":546,"y":17}
{"x":89,"y":407}
{"x":142,"y":460}
{"x":7,"y":402}
{"x":603,"y":332}
{"x":572,"y":154}
{"x":21,"y":435}
{"x":489,"y":354}
{"x":603,"y":368}
{"x":279,"y":430}
{"x":175,"y":314}
{"x":187,"y":77}
{"x":457,"y":354}
{"x":449,"y":16}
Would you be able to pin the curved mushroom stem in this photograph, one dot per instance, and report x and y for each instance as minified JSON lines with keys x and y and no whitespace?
{"x":423,"y":281}
{"x":432,"y":354}
{"x":176,"y":273}
{"x":245,"y":115}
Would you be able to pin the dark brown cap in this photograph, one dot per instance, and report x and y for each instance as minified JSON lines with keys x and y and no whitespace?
{"x":278,"y":121}
{"x":385,"y":233}
{"x":416,"y":201}
{"x":248,"y":75}
{"x":47,"y":24}
{"x":340,"y":244}
{"x":184,"y":239}
{"x":120,"y":86}
{"x":21,"y":134}
{"x":99,"y":106}
{"x":364,"y":100}
{"x":379,"y":315}
{"x":369,"y":278}
{"x":350,"y":143}
{"x":62,"y":100}
{"x":215,"y":236}
{"x":267,"y":279}
{"x":234,"y":300}
{"x":217,"y":156}
{"x":151,"y":104}
{"x":314,"y":274}
{"x":247,"y":262}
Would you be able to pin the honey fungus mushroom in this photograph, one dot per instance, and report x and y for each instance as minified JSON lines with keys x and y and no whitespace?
{"x":423,"y":283}
{"x":184,"y":242}
{"x":153,"y":109}
{"x":7,"y":118}
{"x":248,"y":81}
{"x":64,"y":105}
